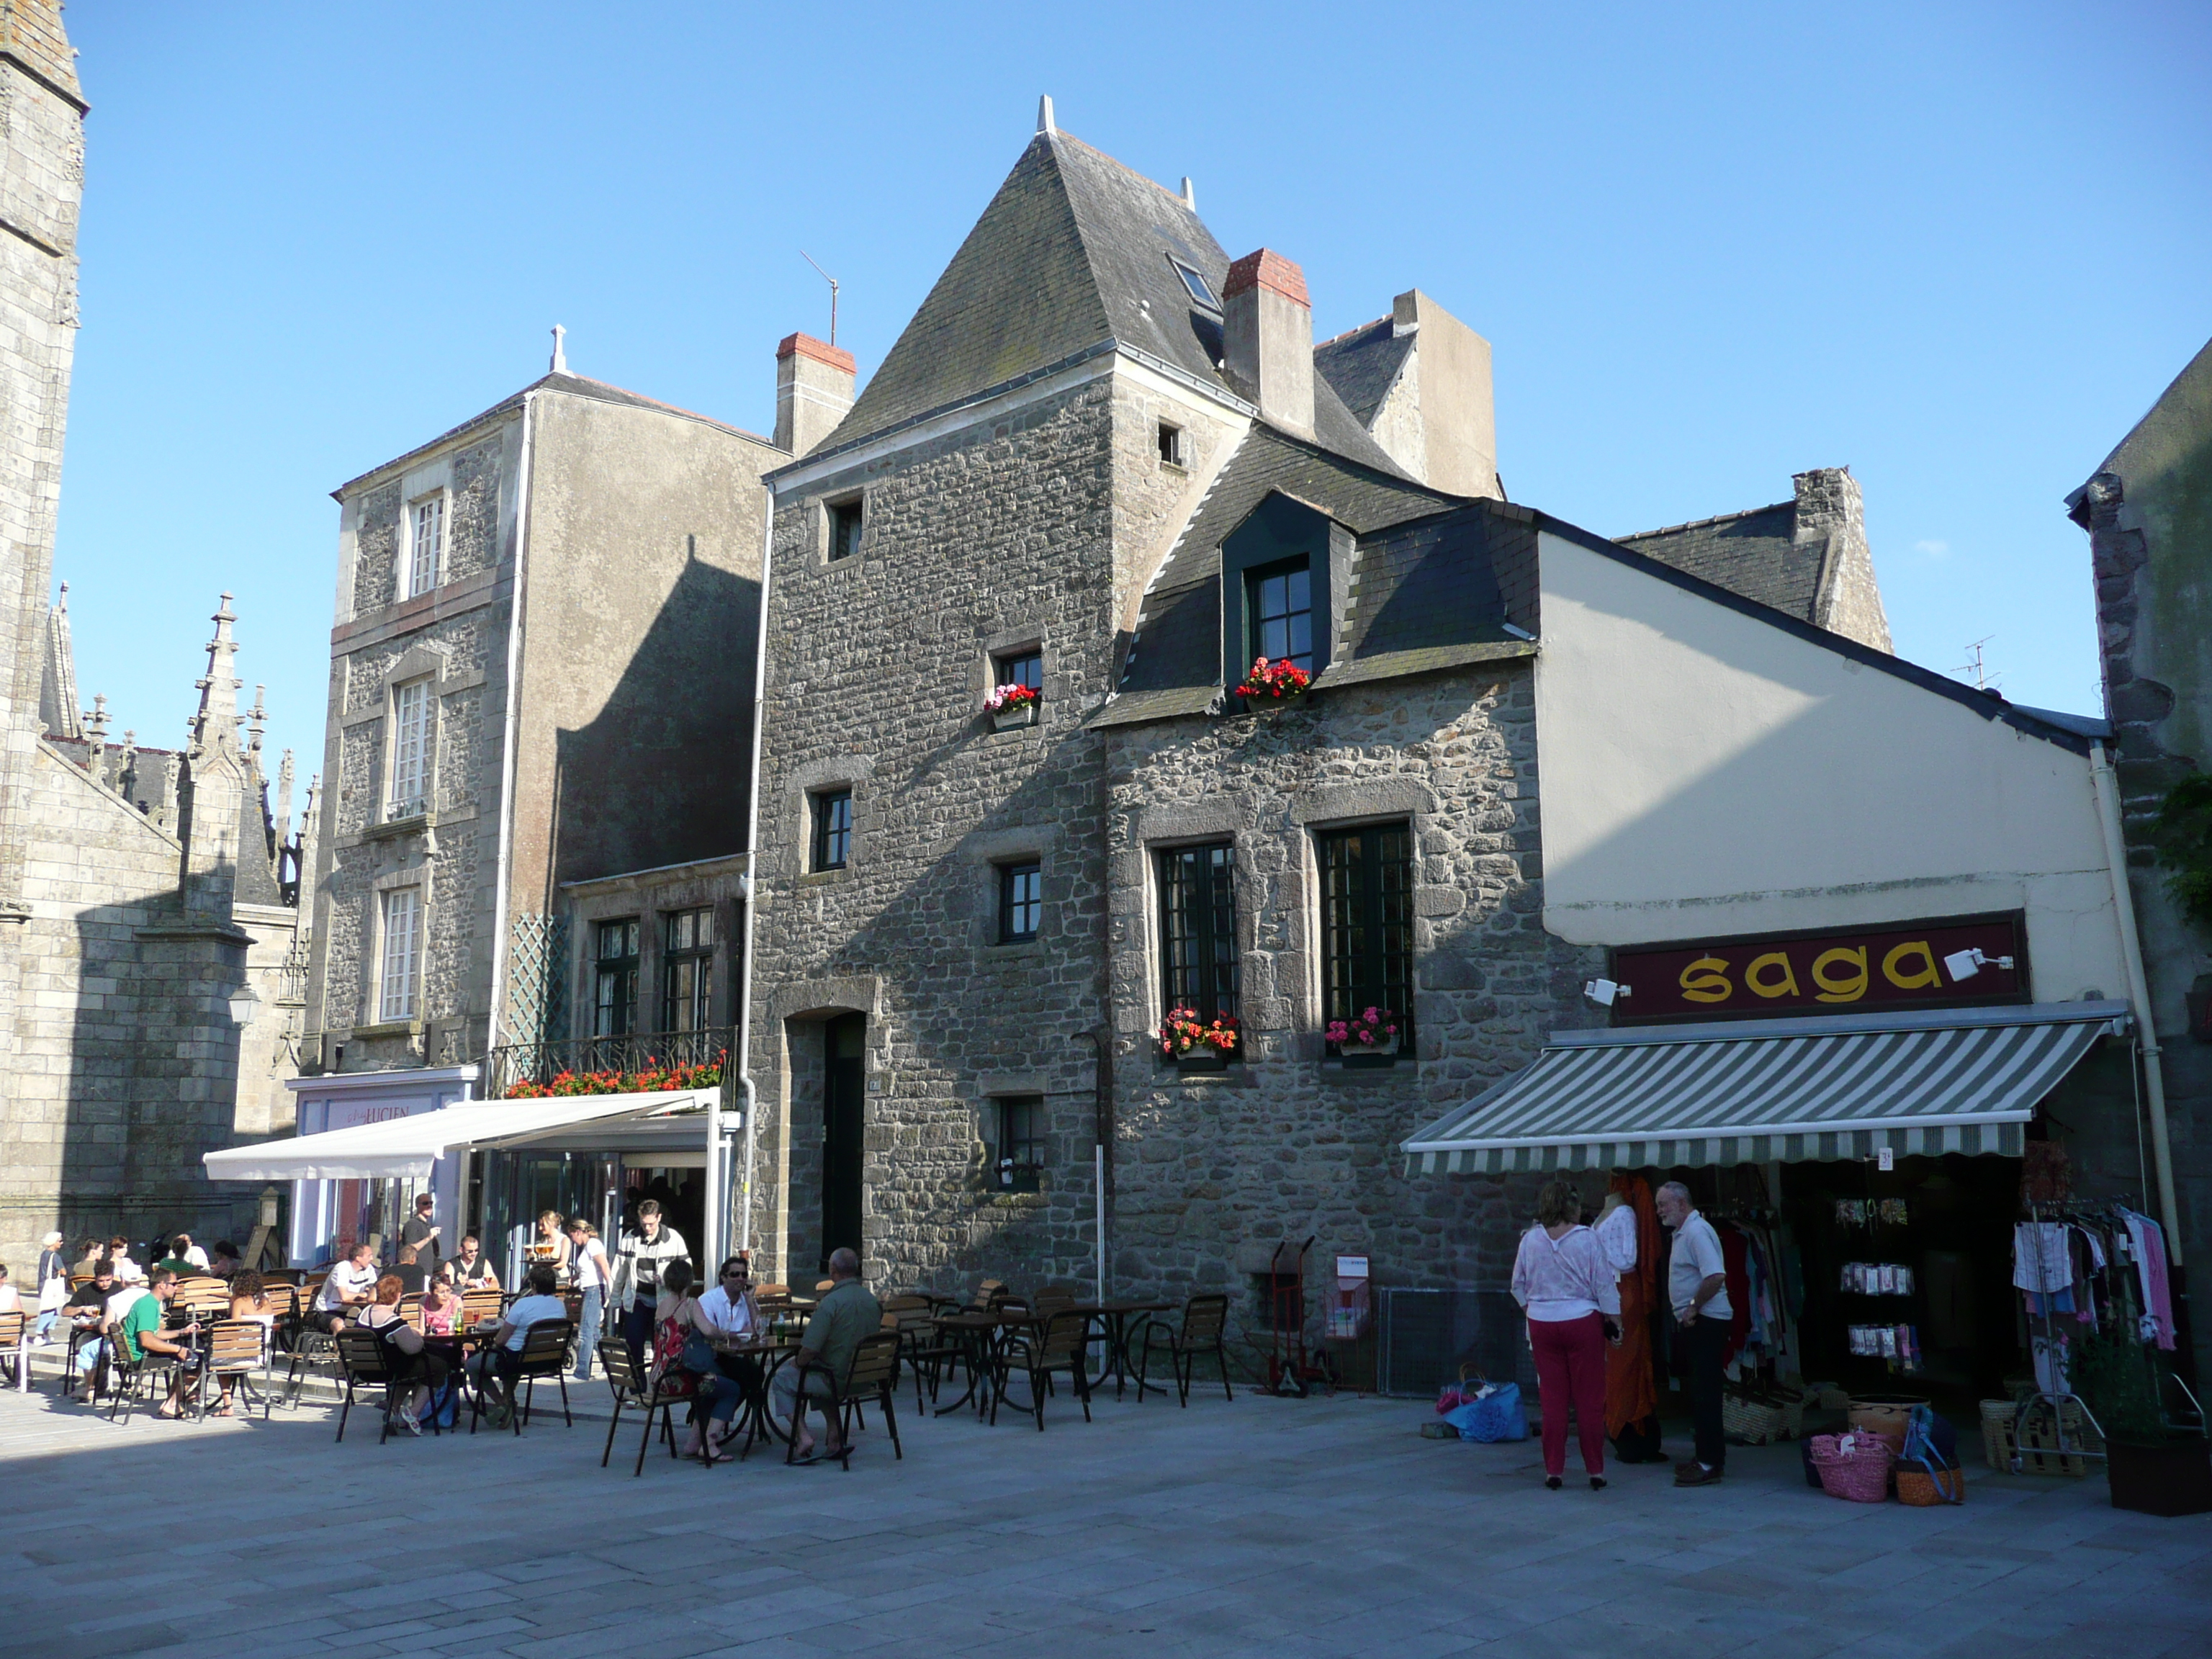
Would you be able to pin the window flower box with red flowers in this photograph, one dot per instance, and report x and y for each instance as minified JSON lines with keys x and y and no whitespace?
{"x":1369,"y":1038}
{"x":1010,"y":706}
{"x":1195,"y":1044}
{"x":1272,"y":685}
{"x":652,"y":1080}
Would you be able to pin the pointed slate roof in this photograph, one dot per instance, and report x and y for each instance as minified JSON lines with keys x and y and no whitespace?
{"x":1076,"y":253}
{"x":1362,"y":364}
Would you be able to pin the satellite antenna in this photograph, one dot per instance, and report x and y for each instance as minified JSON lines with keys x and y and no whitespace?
{"x":832,"y":281}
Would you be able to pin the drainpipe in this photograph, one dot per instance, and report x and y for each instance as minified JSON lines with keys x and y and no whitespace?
{"x":749,"y":884}
{"x":2115,"y":859}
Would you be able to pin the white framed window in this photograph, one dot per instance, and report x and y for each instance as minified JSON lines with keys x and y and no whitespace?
{"x":426,"y":544}
{"x":411,"y":750}
{"x":401,"y":992}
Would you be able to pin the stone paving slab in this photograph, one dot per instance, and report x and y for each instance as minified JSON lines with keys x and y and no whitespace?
{"x":1292,"y":1529}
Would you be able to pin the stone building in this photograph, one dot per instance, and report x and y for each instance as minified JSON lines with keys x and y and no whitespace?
{"x":2148,"y":512}
{"x":149,"y":978}
{"x":1107,"y":461}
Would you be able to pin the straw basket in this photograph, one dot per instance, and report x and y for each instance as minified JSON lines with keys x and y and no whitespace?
{"x":1853,"y":1465}
{"x":1752,"y":1422}
{"x":1923,"y":1491}
{"x":1885,"y":1415}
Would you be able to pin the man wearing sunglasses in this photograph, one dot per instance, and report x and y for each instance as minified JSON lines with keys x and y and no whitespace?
{"x":730,"y":1309}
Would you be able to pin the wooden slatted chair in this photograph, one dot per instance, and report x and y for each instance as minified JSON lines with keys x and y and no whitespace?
{"x":1062,"y":1346}
{"x":873,"y":1372}
{"x":361,"y":1365}
{"x":478,"y":1305}
{"x":632,"y":1388}
{"x":13,"y":1352}
{"x":543,"y":1354}
{"x":236,"y":1349}
{"x":1204,"y":1319}
{"x":922,"y":1349}
{"x":409,"y":1309}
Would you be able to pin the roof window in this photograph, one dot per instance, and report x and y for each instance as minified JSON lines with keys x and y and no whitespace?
{"x":1196,"y":284}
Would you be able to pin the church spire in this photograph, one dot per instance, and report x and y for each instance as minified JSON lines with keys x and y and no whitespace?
{"x":216,"y":727}
{"x":57,"y":705}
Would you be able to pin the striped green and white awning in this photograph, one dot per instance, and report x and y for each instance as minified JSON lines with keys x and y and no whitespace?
{"x":1746,"y":1091}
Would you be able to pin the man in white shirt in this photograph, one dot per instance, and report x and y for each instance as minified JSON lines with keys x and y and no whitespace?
{"x":350,"y":1285}
{"x":493,"y":1367}
{"x":1696,"y":1286}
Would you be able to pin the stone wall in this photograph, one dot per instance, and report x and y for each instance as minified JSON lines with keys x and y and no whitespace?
{"x":1211,"y":1171}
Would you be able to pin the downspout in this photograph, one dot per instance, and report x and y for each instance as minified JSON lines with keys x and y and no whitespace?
{"x":499,"y":926}
{"x":749,"y":884}
{"x":2115,"y":859}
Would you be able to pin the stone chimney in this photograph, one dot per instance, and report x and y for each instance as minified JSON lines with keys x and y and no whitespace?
{"x":1830,"y":510}
{"x":1457,"y":419}
{"x":813,"y":389}
{"x":1266,"y":337}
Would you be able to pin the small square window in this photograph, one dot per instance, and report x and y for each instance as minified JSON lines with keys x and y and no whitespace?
{"x":1170,"y":445}
{"x":833,"y":829}
{"x":844,"y":529}
{"x":1021,"y":1142}
{"x":1021,"y":902}
{"x":1196,"y":285}
{"x":1021,"y":668}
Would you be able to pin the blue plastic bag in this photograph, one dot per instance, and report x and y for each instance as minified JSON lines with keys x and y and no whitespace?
{"x":1497,"y":1416}
{"x":442,"y":1407}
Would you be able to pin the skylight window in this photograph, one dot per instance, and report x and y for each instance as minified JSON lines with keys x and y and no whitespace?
{"x":1196,"y":285}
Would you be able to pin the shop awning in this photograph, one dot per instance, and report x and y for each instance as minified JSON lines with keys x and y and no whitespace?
{"x":1745,"y":1091}
{"x":403,"y":1148}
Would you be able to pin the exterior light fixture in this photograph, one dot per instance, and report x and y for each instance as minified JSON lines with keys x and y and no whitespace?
{"x":243,"y":1002}
{"x":1965,"y":965}
{"x":1604,"y":992}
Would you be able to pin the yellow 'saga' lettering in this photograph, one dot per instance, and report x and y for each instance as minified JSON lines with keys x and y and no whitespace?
{"x":1706,"y":980}
{"x":1766,"y":984}
{"x":1847,"y":989}
{"x":1925,"y":975}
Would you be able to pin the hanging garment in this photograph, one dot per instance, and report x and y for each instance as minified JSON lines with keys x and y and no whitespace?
{"x":2051,"y":1364}
{"x":1739,"y":1290}
{"x":1616,"y":1231}
{"x":2041,"y":1257}
{"x":2148,"y":1244}
{"x":1632,"y":1395}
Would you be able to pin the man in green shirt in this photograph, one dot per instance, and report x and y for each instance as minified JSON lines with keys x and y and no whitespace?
{"x":846,"y":1313}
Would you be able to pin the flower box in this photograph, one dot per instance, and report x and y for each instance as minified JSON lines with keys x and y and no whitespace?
{"x":1194,"y":1045}
{"x":1366,"y":1056}
{"x":1005,"y":719}
{"x":1369,"y":1038}
{"x":1011,"y":705}
{"x":1270,"y":685}
{"x":2172,"y":1477}
{"x":1202,"y":1060}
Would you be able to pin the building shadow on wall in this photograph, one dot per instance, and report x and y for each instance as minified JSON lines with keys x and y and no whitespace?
{"x":660,"y":776}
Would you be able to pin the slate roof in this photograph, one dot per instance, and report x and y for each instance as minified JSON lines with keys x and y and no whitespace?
{"x":1362,"y":364}
{"x":1076,"y":251}
{"x":1755,"y":553}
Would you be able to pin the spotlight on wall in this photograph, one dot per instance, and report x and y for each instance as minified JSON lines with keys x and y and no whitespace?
{"x":1965,"y":965}
{"x":1604,"y":992}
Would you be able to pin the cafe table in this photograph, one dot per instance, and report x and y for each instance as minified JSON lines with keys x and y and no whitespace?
{"x":976,"y":1332}
{"x":754,"y":1420}
{"x":1115,"y":1317}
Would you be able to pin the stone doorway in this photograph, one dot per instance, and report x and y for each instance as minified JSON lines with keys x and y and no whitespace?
{"x":844,"y":1122}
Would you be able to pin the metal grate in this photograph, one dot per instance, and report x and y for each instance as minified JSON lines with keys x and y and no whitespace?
{"x":1428,"y":1335}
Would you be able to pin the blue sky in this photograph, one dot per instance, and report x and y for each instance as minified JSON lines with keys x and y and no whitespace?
{"x":1960,"y":248}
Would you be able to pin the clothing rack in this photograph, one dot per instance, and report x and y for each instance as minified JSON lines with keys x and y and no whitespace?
{"x":2053,"y":1400}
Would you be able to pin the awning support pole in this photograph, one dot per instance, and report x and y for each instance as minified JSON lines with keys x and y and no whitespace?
{"x":2116,"y":860}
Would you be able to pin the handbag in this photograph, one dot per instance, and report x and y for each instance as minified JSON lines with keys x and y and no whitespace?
{"x":1927,"y":1472}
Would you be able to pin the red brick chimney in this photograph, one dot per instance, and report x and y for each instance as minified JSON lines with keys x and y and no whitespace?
{"x":1266,"y":337}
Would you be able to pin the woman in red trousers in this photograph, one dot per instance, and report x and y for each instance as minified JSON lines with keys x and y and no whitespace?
{"x":1562,"y":1278}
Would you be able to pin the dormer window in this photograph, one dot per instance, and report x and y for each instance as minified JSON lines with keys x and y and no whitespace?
{"x":1196,"y":285}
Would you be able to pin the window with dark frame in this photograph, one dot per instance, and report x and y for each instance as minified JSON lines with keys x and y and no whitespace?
{"x":1021,"y":1142}
{"x":1198,"y":929}
{"x":844,"y":528}
{"x":1020,"y":668}
{"x":614,"y":1008}
{"x":833,"y":829}
{"x":1367,"y":923}
{"x":687,"y":969}
{"x":1021,"y":901}
{"x":1170,"y":444}
{"x":1196,"y":284}
{"x":1279,"y":603}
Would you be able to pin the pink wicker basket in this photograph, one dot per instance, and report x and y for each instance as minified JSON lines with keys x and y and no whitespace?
{"x":1853,"y":1465}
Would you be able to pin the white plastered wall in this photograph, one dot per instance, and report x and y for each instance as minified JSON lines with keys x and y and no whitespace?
{"x":1705,"y":775}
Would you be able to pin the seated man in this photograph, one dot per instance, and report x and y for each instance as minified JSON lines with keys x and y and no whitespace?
{"x":493,"y":1368}
{"x":470,"y":1270}
{"x":350,"y":1286}
{"x":88,"y":1309}
{"x":408,"y":1270}
{"x":139,"y":1333}
{"x":846,"y":1313}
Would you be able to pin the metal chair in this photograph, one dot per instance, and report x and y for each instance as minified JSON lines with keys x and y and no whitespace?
{"x":920,"y":1348}
{"x":363,"y":1364}
{"x":1062,"y":1345}
{"x":632,"y":1389}
{"x":1204,"y":1319}
{"x":237,"y":1348}
{"x":13,"y":1352}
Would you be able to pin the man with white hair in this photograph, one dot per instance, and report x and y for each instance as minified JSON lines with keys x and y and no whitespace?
{"x":1697,"y":1285}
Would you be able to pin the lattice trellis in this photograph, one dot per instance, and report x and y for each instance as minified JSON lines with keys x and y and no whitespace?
{"x":537,"y":979}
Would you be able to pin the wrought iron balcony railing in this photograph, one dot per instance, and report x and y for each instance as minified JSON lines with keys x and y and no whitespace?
{"x":635,"y":1051}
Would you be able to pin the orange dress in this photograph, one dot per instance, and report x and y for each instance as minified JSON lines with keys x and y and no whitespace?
{"x":1631,"y":1395}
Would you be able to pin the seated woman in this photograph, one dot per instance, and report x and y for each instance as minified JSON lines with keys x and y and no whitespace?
{"x":401,"y":1346}
{"x":250,"y":1299}
{"x":441,"y":1307}
{"x":676,"y":1319}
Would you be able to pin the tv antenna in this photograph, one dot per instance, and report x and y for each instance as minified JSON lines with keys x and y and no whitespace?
{"x":1976,"y":668}
{"x":832,"y":281}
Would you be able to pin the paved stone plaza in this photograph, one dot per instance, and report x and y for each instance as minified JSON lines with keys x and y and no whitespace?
{"x":1261,"y":1526}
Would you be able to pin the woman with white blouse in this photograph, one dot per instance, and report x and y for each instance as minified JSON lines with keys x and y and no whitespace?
{"x":1571,"y":1294}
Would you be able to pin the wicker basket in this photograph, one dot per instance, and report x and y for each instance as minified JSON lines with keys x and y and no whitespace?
{"x":1922,"y":1490}
{"x":1752,"y":1422}
{"x":1853,"y":1465}
{"x":2040,"y":1454}
{"x":1886,"y":1415}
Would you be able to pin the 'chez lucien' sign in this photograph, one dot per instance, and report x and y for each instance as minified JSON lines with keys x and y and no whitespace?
{"x":1951,"y":962}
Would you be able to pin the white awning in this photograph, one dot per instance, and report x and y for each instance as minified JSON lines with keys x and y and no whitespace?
{"x":404,"y":1148}
{"x":1749,"y":1092}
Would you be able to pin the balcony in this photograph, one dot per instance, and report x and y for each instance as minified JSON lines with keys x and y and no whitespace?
{"x":635,"y":1051}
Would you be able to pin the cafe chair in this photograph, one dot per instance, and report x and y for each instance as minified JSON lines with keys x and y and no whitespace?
{"x":920,"y":1349}
{"x":1062,"y":1345}
{"x":631,"y":1388}
{"x":361,"y":1365}
{"x":1204,"y":1319}
{"x":13,"y":1352}
{"x":544,"y":1355}
{"x":237,"y":1348}
{"x":874,"y":1371}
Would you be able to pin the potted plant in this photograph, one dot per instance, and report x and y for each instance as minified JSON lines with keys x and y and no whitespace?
{"x":2152,"y":1467}
{"x":1272,"y":685}
{"x":1011,"y":706}
{"x":1196,"y":1045}
{"x":1368,"y":1038}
